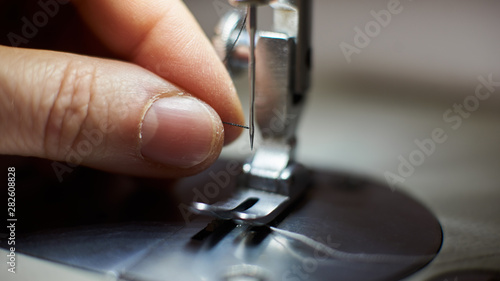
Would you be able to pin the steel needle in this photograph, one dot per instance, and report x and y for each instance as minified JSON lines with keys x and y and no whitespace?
{"x":251,"y":28}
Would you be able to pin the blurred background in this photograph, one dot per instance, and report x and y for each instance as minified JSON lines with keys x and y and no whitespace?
{"x":364,"y":114}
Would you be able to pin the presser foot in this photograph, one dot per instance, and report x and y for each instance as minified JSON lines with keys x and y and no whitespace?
{"x":262,"y":203}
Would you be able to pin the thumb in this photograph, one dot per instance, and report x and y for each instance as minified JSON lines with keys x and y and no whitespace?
{"x":101,"y":113}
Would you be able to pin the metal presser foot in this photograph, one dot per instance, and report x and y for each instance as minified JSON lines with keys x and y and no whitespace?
{"x":279,"y":66}
{"x":269,"y":183}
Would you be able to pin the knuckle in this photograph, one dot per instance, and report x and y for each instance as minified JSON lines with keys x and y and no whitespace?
{"x":69,"y":108}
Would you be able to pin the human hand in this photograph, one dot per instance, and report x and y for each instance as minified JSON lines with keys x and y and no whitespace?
{"x":157,"y":112}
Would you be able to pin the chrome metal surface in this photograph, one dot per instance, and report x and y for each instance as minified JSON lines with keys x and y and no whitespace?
{"x":279,"y":76}
{"x":265,"y":206}
{"x":344,"y":228}
{"x":271,"y":179}
{"x":262,"y":198}
{"x":276,"y":114}
{"x":293,"y":17}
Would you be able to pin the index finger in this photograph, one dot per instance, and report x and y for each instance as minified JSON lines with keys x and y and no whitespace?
{"x":163,"y":37}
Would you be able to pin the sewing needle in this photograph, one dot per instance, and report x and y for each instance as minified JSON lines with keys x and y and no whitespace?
{"x":251,"y":28}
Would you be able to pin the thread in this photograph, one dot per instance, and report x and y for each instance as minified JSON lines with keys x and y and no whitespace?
{"x":236,"y":125}
{"x":237,"y":38}
{"x":353,"y":257}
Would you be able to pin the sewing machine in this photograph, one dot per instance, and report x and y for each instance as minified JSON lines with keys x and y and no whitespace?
{"x":268,"y":218}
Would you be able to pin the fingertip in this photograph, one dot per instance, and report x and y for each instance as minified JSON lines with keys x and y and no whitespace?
{"x":164,"y":37}
{"x":181,"y":131}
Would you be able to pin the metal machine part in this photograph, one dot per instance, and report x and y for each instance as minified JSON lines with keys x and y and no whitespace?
{"x":252,"y":28}
{"x":134,"y":229}
{"x":279,"y":78}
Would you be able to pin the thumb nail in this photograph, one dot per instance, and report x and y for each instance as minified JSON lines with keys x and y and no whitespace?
{"x":179,"y":131}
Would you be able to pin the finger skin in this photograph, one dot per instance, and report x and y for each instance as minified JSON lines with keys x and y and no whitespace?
{"x":81,"y":110}
{"x":163,"y":37}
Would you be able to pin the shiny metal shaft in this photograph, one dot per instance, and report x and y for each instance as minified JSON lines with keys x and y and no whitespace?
{"x":251,"y":28}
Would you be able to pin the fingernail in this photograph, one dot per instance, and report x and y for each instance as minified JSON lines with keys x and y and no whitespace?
{"x":178,"y":131}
